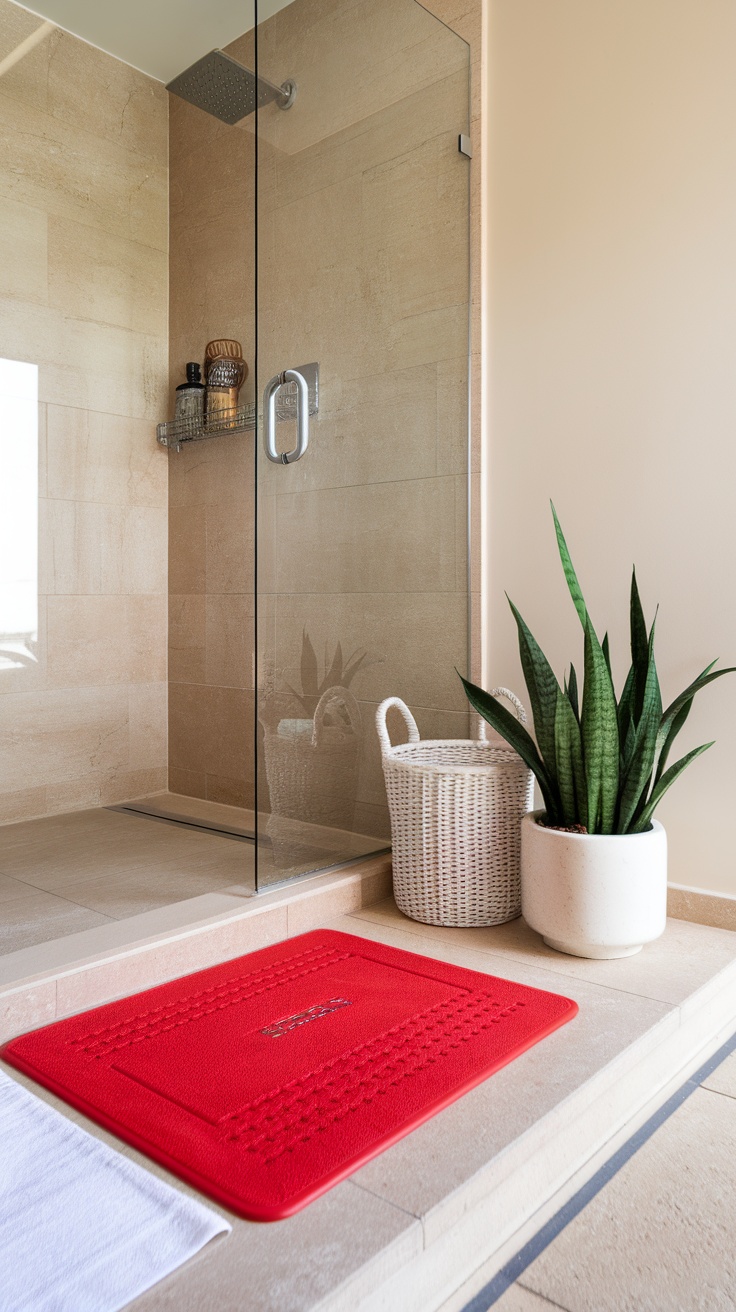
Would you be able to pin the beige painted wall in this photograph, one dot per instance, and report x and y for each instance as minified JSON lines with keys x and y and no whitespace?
{"x":612,"y":301}
{"x":83,"y":278}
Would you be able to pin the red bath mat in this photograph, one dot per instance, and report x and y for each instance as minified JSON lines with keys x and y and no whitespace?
{"x":265,"y":1080}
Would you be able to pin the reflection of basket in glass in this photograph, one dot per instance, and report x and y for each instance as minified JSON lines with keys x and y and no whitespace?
{"x":456,"y":809}
{"x":312,"y":765}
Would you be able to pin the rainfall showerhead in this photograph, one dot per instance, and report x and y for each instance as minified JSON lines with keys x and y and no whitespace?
{"x":223,"y":87}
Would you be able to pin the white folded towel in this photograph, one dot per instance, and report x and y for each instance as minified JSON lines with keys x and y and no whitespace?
{"x":82,"y":1228}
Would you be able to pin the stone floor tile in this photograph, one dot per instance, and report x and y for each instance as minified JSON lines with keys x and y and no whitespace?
{"x":519,"y":1299}
{"x":723,"y":1079}
{"x":659,"y":1237}
{"x":38,"y":917}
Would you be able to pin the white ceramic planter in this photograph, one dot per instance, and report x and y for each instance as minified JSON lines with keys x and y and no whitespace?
{"x":593,"y":895}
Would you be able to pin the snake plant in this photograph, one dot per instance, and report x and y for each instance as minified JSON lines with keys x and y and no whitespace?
{"x":600,"y":761}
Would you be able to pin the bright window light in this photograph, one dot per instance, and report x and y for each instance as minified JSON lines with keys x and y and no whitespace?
{"x":18,"y":514}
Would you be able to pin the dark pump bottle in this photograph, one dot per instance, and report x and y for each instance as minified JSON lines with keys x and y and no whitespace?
{"x":190,"y":396}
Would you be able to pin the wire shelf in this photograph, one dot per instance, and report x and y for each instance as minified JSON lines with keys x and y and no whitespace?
{"x":242,"y":418}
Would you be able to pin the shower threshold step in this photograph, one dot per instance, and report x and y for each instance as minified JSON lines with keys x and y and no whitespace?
{"x":427,"y":1224}
{"x":424,"y":1226}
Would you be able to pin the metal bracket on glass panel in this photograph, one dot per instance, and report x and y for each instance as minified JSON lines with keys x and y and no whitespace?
{"x":464,"y":146}
{"x":303,"y":392}
{"x":243,"y":418}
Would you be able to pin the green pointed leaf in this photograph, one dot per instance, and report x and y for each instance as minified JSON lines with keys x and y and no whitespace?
{"x":543,"y":689}
{"x":569,"y":761}
{"x":708,"y":675}
{"x":569,"y":571}
{"x":672,"y":733}
{"x":599,"y":723}
{"x":639,"y":648}
{"x":667,"y":780}
{"x":634,"y":783}
{"x":572,"y":692}
{"x":517,"y":737}
{"x":606,"y":652}
{"x":625,"y":705}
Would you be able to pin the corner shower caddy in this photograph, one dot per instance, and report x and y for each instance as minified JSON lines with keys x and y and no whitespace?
{"x":243,"y":418}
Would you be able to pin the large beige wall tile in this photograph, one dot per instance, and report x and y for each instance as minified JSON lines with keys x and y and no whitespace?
{"x":86,"y":364}
{"x":230,"y":640}
{"x":187,"y":629}
{"x":393,"y":434}
{"x":103,"y":639}
{"x":211,"y":730}
{"x":367,"y":144}
{"x":61,"y":734}
{"x":86,"y":547}
{"x":148,"y":725}
{"x":78,"y":174}
{"x":127,"y":785}
{"x":89,"y":90}
{"x":23,"y":252}
{"x":102,"y":457}
{"x":395,"y":630}
{"x":349,"y":61}
{"x":110,"y":279}
{"x":362,"y":267}
{"x":391,"y":537}
{"x":187,"y":533}
{"x":83,"y":292}
{"x":22,"y":804}
{"x":27,"y":80}
{"x":229,"y":547}
{"x":415,"y":216}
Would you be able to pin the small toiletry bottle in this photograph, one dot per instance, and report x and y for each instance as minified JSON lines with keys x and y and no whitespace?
{"x":190,"y":398}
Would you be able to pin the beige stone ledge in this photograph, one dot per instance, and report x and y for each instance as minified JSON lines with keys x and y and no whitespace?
{"x":427,"y":1223}
{"x":43,"y":983}
{"x":701,"y":906}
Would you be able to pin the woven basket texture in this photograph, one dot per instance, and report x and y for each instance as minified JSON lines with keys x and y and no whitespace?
{"x":456,"y":809}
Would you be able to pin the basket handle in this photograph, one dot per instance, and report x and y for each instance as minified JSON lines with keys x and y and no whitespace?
{"x":517,"y":705}
{"x":329,"y":698}
{"x":409,"y":721}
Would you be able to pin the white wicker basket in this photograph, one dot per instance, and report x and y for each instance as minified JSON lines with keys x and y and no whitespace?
{"x":456,"y":808}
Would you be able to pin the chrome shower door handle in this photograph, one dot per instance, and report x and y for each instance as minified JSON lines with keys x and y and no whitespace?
{"x":302,"y":416}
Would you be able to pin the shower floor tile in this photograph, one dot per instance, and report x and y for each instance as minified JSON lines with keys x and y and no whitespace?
{"x":72,"y":872}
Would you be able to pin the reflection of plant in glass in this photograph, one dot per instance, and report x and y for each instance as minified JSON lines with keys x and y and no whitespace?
{"x":338,"y":673}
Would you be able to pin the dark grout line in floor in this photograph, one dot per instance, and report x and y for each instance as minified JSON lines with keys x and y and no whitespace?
{"x":510,"y":1273}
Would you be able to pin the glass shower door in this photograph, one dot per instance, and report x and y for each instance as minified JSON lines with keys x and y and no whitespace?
{"x":362,"y":376}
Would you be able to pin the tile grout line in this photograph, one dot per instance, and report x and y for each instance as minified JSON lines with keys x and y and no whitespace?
{"x":543,"y":1298}
{"x":509,"y":1274}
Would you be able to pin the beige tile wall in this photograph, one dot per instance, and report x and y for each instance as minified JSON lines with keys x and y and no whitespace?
{"x":83,"y":294}
{"x":366,"y":542}
{"x":211,"y":490}
{"x":364,"y":253}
